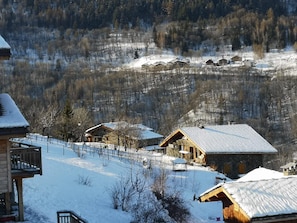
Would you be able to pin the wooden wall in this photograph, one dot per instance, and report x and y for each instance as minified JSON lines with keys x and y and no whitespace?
{"x":5,"y":175}
{"x":234,"y":164}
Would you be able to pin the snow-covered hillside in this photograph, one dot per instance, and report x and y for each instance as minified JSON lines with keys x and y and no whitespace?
{"x":59,"y":188}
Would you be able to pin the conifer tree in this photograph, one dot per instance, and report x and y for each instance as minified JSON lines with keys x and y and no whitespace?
{"x":67,"y":116}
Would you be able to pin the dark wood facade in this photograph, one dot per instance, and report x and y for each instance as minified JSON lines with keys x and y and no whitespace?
{"x":232,"y":165}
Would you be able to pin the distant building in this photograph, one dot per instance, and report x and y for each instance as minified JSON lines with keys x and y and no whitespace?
{"x":236,"y":59}
{"x":230,"y":149}
{"x":289,"y":168}
{"x":124,"y":134}
{"x":209,"y":62}
{"x":222,"y":62}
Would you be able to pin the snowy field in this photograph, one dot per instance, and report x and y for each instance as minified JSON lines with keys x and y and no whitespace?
{"x":59,"y":187}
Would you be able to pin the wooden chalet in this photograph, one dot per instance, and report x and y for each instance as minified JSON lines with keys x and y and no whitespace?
{"x":209,"y":62}
{"x":231,"y":149}
{"x":290,"y":168}
{"x":266,"y":201}
{"x":222,"y":62}
{"x":17,"y":160}
{"x":123,"y":134}
{"x":236,"y":59}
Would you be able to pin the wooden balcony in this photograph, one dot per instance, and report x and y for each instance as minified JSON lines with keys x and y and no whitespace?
{"x":25,"y":160}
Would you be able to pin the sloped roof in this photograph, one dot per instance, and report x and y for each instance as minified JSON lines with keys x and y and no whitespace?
{"x":262,"y":198}
{"x":289,"y":165}
{"x":11,"y":119}
{"x":228,"y":139}
{"x":265,"y":197}
{"x":146,"y":132}
{"x":3,"y":43}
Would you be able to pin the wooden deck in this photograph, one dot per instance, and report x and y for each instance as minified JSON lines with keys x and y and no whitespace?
{"x":25,"y":160}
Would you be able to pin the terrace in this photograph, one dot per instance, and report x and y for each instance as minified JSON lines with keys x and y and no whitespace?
{"x":25,"y":160}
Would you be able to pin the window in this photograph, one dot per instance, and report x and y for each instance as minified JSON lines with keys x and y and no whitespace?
{"x":227,"y":168}
{"x":241,"y":167}
{"x":192,"y":152}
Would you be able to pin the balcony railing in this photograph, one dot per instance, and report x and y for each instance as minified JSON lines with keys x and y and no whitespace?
{"x":69,"y":217}
{"x":25,"y":159}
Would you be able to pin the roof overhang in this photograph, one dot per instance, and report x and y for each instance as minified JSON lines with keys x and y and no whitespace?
{"x":6,"y":133}
{"x":276,"y":218}
{"x":165,"y":142}
{"x":218,"y":193}
{"x":12,"y":121}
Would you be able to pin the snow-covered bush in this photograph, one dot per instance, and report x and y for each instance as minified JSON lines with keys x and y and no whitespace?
{"x":127,"y":190}
{"x":149,"y":209}
{"x":171,"y":200}
{"x":84,"y":180}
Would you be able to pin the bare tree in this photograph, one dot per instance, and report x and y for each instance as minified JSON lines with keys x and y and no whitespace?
{"x":48,"y":119}
{"x":82,"y":120}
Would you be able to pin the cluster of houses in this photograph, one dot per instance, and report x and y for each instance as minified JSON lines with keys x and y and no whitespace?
{"x":234,"y":149}
{"x":233,"y":60}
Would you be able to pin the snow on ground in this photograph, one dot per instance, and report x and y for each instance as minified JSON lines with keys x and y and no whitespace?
{"x":59,"y":188}
{"x":282,"y":60}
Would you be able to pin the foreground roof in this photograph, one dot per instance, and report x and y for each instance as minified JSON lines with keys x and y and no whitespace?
{"x":228,"y":139}
{"x":261,"y":198}
{"x":11,"y":119}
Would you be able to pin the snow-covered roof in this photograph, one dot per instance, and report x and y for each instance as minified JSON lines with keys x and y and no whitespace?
{"x":261,"y":173}
{"x":262,"y":198}
{"x":146,"y":132}
{"x":289,"y":165}
{"x":3,"y":43}
{"x":10,"y":115}
{"x":261,"y":193}
{"x":229,"y":139}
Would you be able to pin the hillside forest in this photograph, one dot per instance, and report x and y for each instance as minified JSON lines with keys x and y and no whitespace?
{"x":66,"y":72}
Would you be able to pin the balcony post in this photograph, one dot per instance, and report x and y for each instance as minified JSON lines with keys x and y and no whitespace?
{"x":7,"y":203}
{"x":19,"y":185}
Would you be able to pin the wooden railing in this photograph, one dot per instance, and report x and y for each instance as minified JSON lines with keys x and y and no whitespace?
{"x":25,"y":157}
{"x":69,"y":217}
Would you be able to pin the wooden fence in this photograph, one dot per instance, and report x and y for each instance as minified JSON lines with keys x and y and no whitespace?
{"x":106,"y":151}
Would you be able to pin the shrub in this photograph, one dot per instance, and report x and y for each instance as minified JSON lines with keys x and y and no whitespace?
{"x":84,"y":180}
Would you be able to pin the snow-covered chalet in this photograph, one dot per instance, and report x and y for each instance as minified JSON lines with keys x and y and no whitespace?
{"x":262,"y":195}
{"x":232,"y":149}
